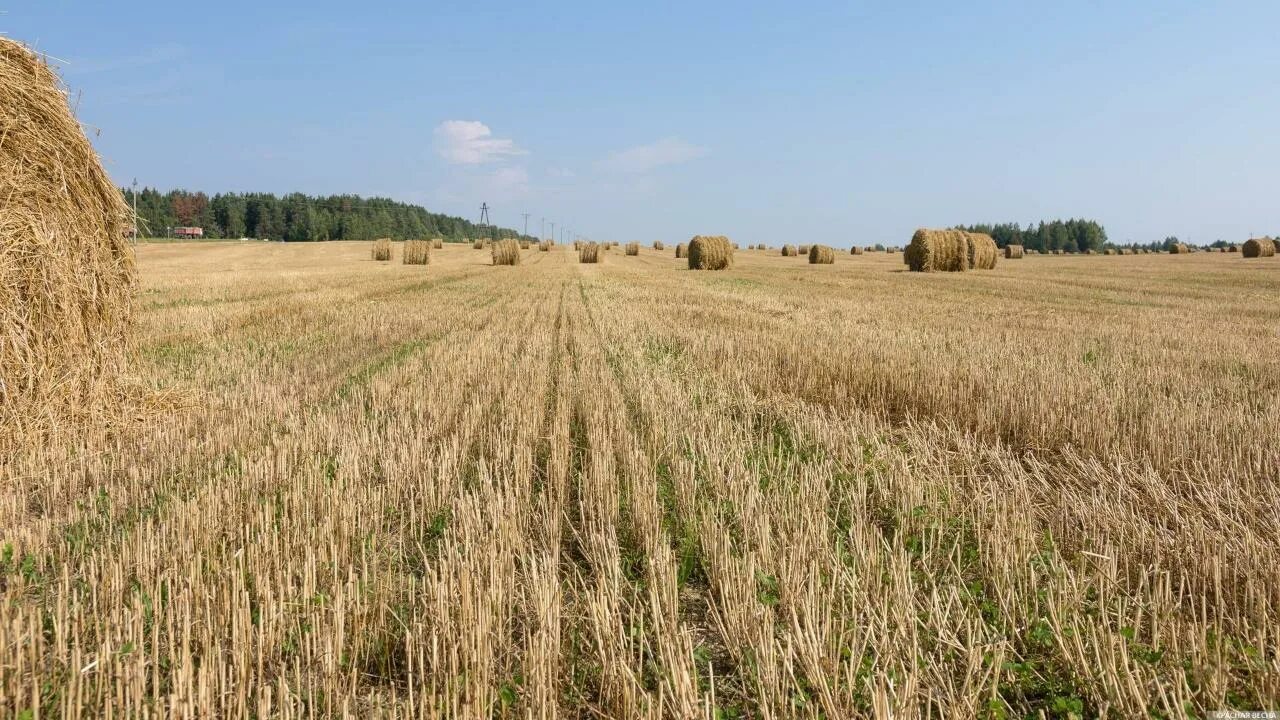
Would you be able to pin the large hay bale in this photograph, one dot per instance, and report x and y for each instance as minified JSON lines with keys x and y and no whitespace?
{"x":590,"y":253}
{"x":437,"y":243}
{"x":657,"y":245}
{"x":382,"y":249}
{"x":855,"y":250}
{"x":506,"y":252}
{"x":982,"y":251}
{"x":416,"y":252}
{"x":710,"y":252}
{"x":1013,"y":252}
{"x":1258,"y":247}
{"x":938,"y":251}
{"x":1276,"y":243}
{"x":682,"y":250}
{"x":66,"y":269}
{"x":1179,"y":249}
{"x":633,"y":248}
{"x":789,"y":251}
{"x":821,"y":255}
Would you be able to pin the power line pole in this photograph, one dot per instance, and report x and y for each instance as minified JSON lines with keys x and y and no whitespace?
{"x":542,"y":228}
{"x":484,"y":217}
{"x":526,"y":224}
{"x":553,"y":231}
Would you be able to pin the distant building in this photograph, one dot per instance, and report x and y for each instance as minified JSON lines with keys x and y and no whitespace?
{"x":188,"y":232}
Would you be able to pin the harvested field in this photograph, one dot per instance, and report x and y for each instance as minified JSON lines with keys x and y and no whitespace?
{"x":940,"y":494}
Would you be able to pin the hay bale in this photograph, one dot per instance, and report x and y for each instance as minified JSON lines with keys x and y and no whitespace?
{"x":437,"y":243}
{"x":1258,"y":247}
{"x":982,"y":251}
{"x":1276,"y":243}
{"x":1013,"y":252}
{"x":66,"y":269}
{"x":855,"y":250}
{"x":416,"y":252}
{"x":1233,"y":248}
{"x":804,"y":249}
{"x":789,"y":251}
{"x":544,"y":246}
{"x":1109,"y":251}
{"x":682,"y":250}
{"x":710,"y":252}
{"x":657,"y":245}
{"x":938,"y":251}
{"x":382,"y":249}
{"x":821,"y":255}
{"x":506,"y":252}
{"x":633,"y":248}
{"x":590,"y":253}
{"x":1179,"y":249}
{"x":524,"y":244}
{"x":477,"y":244}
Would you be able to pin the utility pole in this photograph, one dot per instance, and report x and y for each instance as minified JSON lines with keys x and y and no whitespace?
{"x":484,"y":217}
{"x":542,"y":229}
{"x":553,"y":232}
{"x":526,"y":224}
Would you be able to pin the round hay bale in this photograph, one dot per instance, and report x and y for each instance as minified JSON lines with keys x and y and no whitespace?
{"x":590,"y":253}
{"x":855,"y":250}
{"x":789,"y":251}
{"x":657,"y":245}
{"x":1179,"y":249}
{"x":505,"y":252}
{"x":633,"y":248}
{"x":1258,"y":247}
{"x":1014,"y":252}
{"x":1276,"y":243}
{"x":982,"y":251}
{"x":804,"y":249}
{"x":66,"y":269}
{"x":382,"y":249}
{"x":544,"y":246}
{"x":416,"y":252}
{"x":477,"y":244}
{"x":682,"y":250}
{"x":710,"y":252}
{"x":821,"y":255}
{"x":1233,"y":248}
{"x":938,"y":251}
{"x":437,"y":243}
{"x":524,"y":244}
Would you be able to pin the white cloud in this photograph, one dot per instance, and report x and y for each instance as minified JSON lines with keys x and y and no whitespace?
{"x":470,"y":142}
{"x":643,"y":158}
{"x":509,"y":181}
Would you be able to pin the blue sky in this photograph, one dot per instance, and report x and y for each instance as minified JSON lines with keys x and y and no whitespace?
{"x":856,"y":122}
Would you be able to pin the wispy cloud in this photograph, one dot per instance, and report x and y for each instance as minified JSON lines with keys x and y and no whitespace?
{"x":165,"y":54}
{"x":509,"y":181}
{"x":643,"y":158}
{"x":471,"y":142}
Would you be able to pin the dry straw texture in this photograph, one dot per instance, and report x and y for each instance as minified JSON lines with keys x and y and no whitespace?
{"x":821,"y":255}
{"x":416,"y":252}
{"x":1179,"y":249}
{"x":804,"y":250}
{"x":710,"y":252}
{"x":524,"y":244}
{"x":66,"y":270}
{"x":477,"y":244}
{"x":437,"y":243}
{"x":1013,"y":252}
{"x":544,"y":246}
{"x":381,"y":250}
{"x":1109,"y":251}
{"x":1276,"y":242}
{"x":938,"y":251}
{"x":657,"y":245}
{"x":590,"y":252}
{"x":789,"y":251}
{"x":1233,"y":248}
{"x":855,"y":250}
{"x":682,"y":250}
{"x":633,"y":248}
{"x":982,"y":251}
{"x":1259,"y":247}
{"x":506,"y":252}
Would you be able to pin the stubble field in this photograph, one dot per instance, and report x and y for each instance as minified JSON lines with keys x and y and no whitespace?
{"x":632,"y":490}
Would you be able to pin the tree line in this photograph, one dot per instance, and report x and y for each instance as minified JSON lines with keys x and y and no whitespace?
{"x":1065,"y":235}
{"x":297,"y":217}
